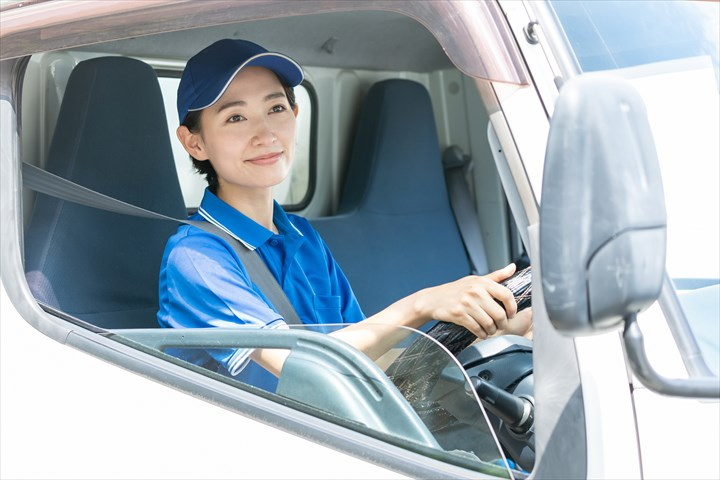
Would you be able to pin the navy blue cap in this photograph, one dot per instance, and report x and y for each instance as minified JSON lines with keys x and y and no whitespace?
{"x":209,"y":73}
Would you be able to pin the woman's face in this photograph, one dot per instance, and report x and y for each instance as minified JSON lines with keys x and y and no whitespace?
{"x":249,"y":134}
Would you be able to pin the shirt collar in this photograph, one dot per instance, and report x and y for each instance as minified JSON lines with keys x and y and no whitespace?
{"x":241,"y":227}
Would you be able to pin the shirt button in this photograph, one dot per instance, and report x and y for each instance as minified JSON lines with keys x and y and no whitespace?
{"x":274,"y":243}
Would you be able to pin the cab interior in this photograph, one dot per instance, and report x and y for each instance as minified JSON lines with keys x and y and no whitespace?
{"x":386,"y":105}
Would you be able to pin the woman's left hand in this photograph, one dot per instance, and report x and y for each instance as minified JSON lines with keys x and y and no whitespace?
{"x":520,"y":324}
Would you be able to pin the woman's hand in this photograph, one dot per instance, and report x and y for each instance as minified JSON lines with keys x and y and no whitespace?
{"x":478,"y":303}
{"x":521,"y":324}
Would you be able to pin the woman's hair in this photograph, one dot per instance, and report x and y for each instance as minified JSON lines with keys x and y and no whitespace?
{"x":192,"y":122}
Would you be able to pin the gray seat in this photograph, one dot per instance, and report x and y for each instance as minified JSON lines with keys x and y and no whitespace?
{"x":395,"y":232}
{"x":111,"y":136}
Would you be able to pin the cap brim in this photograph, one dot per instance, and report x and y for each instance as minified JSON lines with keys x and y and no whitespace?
{"x":286,"y":68}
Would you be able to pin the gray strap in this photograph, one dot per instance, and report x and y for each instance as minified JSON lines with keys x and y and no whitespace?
{"x":48,"y":183}
{"x":258,"y":271}
{"x":455,"y":164}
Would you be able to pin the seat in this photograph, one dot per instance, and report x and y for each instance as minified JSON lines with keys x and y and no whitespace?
{"x":395,"y":232}
{"x":112,"y":137}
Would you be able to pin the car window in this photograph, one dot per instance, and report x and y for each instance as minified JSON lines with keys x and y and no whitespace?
{"x":110,"y":303}
{"x":646,"y":32}
{"x":293,"y":193}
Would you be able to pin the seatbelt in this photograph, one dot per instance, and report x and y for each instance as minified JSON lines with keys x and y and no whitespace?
{"x":456,"y":165}
{"x":48,"y":183}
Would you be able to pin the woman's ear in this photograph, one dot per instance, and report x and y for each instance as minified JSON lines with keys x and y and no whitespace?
{"x":295,"y":109}
{"x":191,"y":142}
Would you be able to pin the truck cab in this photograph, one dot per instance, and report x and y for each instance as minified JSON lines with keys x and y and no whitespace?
{"x":435,"y":140}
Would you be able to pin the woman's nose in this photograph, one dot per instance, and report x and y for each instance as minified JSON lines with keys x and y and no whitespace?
{"x":264,"y":135}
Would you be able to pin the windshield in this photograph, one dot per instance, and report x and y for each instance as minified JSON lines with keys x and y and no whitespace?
{"x":669,"y":51}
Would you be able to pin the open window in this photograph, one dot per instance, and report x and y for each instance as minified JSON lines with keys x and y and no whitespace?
{"x":89,"y":276}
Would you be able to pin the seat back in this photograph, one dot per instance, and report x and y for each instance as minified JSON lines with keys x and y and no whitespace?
{"x":395,"y":232}
{"x":112,"y":137}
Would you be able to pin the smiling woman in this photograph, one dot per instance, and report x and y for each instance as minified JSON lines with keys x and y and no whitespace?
{"x":294,"y":193}
{"x":242,"y":138}
{"x":245,"y":128}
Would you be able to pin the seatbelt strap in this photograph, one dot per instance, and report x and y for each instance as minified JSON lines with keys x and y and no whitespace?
{"x":456,"y":164}
{"x":258,"y":271}
{"x":48,"y":183}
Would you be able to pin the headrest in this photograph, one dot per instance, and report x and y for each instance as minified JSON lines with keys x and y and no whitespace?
{"x":396,"y":154}
{"x":112,"y":133}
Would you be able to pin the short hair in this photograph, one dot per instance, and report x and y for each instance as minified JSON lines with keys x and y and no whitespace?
{"x":204,"y":167}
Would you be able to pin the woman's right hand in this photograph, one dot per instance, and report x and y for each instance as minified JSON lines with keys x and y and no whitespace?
{"x":478,"y":303}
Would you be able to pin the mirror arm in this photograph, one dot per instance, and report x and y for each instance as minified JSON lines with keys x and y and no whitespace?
{"x":681,"y":331}
{"x":706,"y":387}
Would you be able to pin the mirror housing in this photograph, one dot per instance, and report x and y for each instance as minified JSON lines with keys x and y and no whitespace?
{"x":602,"y":215}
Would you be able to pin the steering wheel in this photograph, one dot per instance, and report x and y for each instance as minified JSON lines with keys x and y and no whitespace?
{"x":453,"y":337}
{"x":424,"y":356}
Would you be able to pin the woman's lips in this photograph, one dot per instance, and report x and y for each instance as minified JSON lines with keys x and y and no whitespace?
{"x":266,"y":159}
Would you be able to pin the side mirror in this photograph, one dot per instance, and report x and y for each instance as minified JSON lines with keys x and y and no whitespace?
{"x":603,"y":222}
{"x":602,"y":217}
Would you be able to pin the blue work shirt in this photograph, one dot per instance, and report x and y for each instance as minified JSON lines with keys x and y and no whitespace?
{"x":204,"y":284}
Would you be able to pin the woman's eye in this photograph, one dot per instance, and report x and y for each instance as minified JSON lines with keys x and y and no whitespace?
{"x":278,"y":108}
{"x":235,"y":118}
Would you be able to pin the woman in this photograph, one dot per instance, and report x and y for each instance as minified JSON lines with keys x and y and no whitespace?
{"x":238,"y":117}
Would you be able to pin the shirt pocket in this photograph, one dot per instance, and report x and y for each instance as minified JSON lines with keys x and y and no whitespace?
{"x":327,"y":309}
